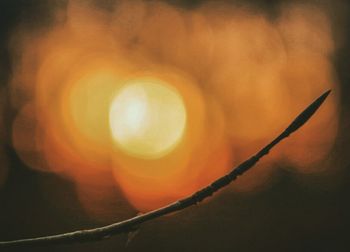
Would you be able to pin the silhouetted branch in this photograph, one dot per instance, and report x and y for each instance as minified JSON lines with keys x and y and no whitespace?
{"x":130,"y":224}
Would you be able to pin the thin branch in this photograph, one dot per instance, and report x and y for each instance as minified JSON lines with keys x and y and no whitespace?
{"x":130,"y":224}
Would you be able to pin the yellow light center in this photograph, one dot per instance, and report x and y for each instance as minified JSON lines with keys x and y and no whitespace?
{"x":147,"y":118}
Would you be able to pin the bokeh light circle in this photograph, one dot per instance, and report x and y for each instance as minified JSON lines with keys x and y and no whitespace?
{"x":147,"y":118}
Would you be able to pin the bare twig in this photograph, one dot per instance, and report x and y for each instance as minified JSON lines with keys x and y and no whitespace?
{"x":130,"y":224}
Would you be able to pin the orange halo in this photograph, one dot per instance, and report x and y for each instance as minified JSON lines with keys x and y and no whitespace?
{"x":241,"y":78}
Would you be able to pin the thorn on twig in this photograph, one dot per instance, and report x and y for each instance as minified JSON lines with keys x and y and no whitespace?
{"x":133,"y":232}
{"x":131,"y":236}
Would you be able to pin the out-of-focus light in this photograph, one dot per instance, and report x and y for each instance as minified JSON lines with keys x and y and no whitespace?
{"x":238,"y":92}
{"x":147,"y":118}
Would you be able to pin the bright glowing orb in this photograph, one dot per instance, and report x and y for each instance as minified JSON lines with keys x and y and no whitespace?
{"x":147,"y":118}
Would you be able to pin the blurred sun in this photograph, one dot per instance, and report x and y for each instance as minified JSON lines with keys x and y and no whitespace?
{"x":147,"y":118}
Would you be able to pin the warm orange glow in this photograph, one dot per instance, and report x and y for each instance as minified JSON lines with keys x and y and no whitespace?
{"x":152,"y":183}
{"x":233,"y":80}
{"x":147,"y":118}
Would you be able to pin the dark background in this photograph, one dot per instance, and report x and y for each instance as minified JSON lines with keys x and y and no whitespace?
{"x":295,"y":213}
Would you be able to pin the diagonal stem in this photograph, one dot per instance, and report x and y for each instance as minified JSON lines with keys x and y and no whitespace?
{"x":130,"y":224}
